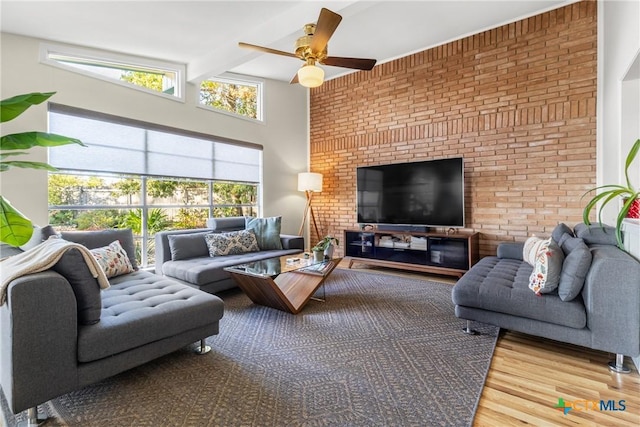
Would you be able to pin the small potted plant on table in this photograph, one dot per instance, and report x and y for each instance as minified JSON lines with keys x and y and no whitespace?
{"x":324,"y":248}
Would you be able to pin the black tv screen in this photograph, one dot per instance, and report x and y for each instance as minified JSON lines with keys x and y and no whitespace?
{"x":428,"y":193}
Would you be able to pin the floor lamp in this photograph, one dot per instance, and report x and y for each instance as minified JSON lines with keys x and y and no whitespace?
{"x":310,"y":183}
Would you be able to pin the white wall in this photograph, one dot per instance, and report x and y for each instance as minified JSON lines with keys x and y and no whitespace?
{"x":284,"y":134}
{"x":618,"y":47}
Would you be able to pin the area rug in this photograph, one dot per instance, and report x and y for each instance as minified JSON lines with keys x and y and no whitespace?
{"x":380,"y":351}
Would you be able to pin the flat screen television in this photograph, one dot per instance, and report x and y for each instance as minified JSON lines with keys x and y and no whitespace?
{"x":425,"y":193}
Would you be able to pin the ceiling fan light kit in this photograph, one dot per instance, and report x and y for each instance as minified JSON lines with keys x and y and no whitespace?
{"x":310,"y":75}
{"x":312,"y":48}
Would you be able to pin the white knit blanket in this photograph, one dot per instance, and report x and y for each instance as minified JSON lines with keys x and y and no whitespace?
{"x":43,"y":257}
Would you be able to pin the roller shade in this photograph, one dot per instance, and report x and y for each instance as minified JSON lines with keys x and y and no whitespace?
{"x":124,"y":146}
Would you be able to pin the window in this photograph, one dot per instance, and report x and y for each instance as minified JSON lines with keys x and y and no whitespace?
{"x":229,"y":95}
{"x":156,"y":77}
{"x":146,"y":177}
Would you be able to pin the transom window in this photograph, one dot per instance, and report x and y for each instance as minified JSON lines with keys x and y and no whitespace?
{"x":231,"y":95}
{"x":152,"y":76}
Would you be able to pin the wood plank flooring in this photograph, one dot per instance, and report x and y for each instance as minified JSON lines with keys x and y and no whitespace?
{"x":529,"y":374}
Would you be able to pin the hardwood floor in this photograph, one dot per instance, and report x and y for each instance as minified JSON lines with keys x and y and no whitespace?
{"x":529,"y":374}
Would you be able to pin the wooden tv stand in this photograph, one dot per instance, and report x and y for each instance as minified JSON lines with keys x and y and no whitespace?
{"x":440,"y":253}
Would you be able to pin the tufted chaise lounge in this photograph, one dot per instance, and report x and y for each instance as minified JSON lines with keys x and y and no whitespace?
{"x":603,"y":313}
{"x":47,"y":348}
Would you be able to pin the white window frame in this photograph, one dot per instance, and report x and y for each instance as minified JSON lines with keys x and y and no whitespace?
{"x":127,"y":61}
{"x":240,"y":80}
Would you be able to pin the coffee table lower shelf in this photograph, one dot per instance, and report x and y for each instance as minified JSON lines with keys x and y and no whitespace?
{"x":288,"y":291}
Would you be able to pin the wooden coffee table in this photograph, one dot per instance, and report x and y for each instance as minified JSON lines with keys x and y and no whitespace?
{"x":285,"y":286}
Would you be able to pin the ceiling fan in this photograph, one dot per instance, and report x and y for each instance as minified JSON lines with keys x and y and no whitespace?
{"x":312,"y":48}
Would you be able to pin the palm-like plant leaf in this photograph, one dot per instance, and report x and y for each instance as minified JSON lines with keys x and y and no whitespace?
{"x":26,"y":140}
{"x":630,"y":157}
{"x":15,"y":228}
{"x":11,"y":108}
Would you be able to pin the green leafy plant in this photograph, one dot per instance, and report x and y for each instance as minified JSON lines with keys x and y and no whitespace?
{"x":15,"y":228}
{"x":324,"y":243}
{"x":607,"y":193}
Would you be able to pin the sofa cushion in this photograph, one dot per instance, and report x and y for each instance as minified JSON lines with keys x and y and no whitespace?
{"x":40,"y":234}
{"x":185,"y":246}
{"x":205,"y":270}
{"x":576,"y":265}
{"x":232,"y":243}
{"x":140,"y":308}
{"x":98,"y":238}
{"x":596,"y":234}
{"x":73,"y":267}
{"x":559,"y":232}
{"x":545,"y":276}
{"x":113,"y":259}
{"x":267,"y":231}
{"x":502,"y":285}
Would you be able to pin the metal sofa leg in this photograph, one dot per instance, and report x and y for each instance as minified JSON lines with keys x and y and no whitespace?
{"x":32,"y":418}
{"x":468,"y":329}
{"x":203,"y":348}
{"x":619,"y":366}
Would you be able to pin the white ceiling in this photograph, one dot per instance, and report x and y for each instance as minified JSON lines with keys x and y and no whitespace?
{"x":204,"y":35}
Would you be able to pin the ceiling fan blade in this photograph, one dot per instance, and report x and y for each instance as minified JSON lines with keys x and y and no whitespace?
{"x":327,"y":23}
{"x":294,"y":80}
{"x":266,"y":50}
{"x":357,"y":63}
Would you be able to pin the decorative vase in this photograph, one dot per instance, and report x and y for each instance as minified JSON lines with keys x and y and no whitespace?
{"x":634,"y":210}
{"x":318,"y":256}
{"x":328,"y":252}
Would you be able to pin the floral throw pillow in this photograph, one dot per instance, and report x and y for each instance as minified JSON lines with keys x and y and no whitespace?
{"x":547,"y":268}
{"x":232,"y":243}
{"x":113,"y":259}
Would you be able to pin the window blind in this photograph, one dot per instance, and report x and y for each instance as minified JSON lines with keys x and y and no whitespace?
{"x":124,"y":146}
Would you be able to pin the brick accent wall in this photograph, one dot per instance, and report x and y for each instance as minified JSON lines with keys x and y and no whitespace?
{"x":517,"y":102}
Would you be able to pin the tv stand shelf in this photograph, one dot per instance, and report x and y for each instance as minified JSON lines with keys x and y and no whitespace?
{"x":449,"y":254}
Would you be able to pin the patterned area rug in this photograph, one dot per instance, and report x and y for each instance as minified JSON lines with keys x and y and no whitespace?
{"x":381,"y":351}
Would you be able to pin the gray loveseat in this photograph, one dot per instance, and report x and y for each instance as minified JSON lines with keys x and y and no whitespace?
{"x":183,"y":255}
{"x":59,"y":332}
{"x":602,"y":311}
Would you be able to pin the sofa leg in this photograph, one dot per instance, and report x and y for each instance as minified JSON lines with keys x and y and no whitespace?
{"x":468,"y":329}
{"x":203,"y":348}
{"x":619,"y":366}
{"x":32,"y":418}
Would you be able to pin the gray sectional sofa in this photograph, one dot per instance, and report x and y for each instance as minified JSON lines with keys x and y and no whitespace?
{"x":183,"y":255}
{"x":596,"y":305}
{"x":60,"y":332}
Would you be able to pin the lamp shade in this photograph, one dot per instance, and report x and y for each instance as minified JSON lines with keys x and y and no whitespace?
{"x":310,"y":75}
{"x":309,"y":181}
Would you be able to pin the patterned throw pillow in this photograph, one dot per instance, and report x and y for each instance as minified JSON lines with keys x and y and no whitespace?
{"x":531,"y":248}
{"x":113,"y":259}
{"x":232,"y":243}
{"x":547,"y":268}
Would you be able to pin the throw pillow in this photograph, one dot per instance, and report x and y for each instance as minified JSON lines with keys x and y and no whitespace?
{"x":267,"y":231}
{"x":596,"y":234}
{"x":86,"y":288}
{"x":531,"y":248}
{"x":559,"y":231}
{"x":232,"y":243}
{"x":99,"y":238}
{"x":185,"y":246}
{"x":547,"y":269}
{"x":113,"y":259}
{"x":577,"y":262}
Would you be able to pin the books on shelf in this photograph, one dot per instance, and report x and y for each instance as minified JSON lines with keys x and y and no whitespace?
{"x":319,"y":269}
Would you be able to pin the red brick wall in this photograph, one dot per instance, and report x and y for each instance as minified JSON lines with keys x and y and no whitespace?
{"x":517,"y":102}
